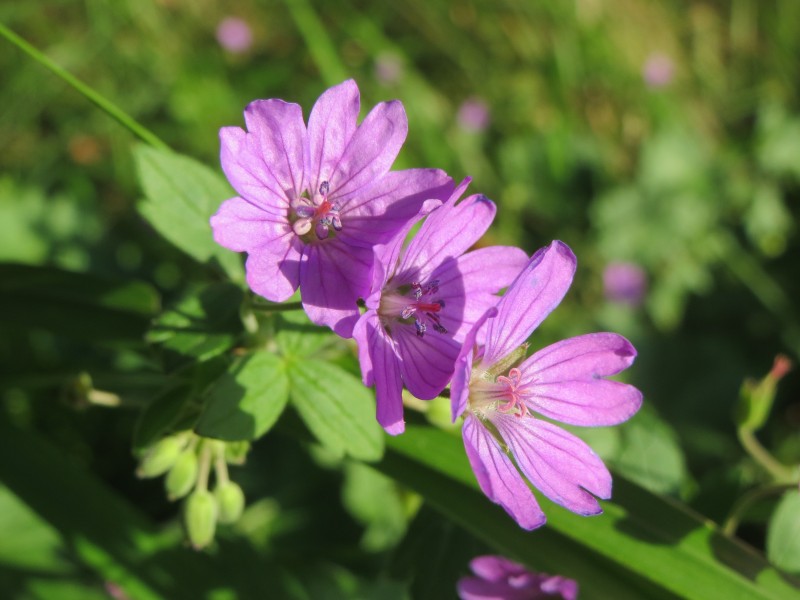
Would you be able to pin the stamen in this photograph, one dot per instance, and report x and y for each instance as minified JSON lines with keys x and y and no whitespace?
{"x":421,"y":328}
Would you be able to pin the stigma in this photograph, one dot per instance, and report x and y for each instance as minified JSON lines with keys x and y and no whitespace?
{"x":417,"y":303}
{"x":318,"y":213}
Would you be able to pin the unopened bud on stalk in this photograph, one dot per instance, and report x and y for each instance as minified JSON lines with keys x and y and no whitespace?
{"x":182,"y":476}
{"x":756,"y":397}
{"x":230,"y":499}
{"x":200,"y":518}
{"x":160,"y":457}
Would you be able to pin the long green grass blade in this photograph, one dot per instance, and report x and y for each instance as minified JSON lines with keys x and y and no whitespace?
{"x":647,"y":539}
{"x":98,"y":100}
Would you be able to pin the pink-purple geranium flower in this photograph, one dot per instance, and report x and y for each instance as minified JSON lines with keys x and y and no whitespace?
{"x":313,"y":201}
{"x":497,"y":578}
{"x":499,"y":390}
{"x":424,"y":299}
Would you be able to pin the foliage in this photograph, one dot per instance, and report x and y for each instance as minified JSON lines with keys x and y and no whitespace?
{"x":124,"y":324}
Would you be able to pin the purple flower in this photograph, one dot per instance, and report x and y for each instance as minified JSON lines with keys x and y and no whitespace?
{"x":234,"y":34}
{"x":388,"y":68}
{"x":473,"y":115}
{"x":315,"y":201}
{"x":498,"y":578}
{"x":497,"y":386}
{"x":658,"y":70}
{"x":425,"y":298}
{"x":625,"y":283}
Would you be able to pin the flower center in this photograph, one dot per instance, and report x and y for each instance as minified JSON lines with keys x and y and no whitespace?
{"x":417,"y":303}
{"x":505,"y":394}
{"x":317,"y":215}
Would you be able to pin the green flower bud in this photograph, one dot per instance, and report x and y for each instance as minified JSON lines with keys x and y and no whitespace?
{"x":236,"y":452}
{"x":182,"y":476}
{"x":230,"y":499}
{"x":200,"y":518}
{"x":160,"y":457}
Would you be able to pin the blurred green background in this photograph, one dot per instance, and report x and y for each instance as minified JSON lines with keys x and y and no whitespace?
{"x":661,"y":135}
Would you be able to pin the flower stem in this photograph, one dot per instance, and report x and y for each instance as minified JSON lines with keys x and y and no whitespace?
{"x":744,"y":504}
{"x":205,"y":465}
{"x":101,"y":102}
{"x":780,"y":472}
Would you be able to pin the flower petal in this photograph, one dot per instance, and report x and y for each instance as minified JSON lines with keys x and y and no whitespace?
{"x":483,"y":273}
{"x":280,"y":133}
{"x":497,"y":476}
{"x":239,"y":225}
{"x":273,"y":268}
{"x":495,"y":568}
{"x":331,"y":125}
{"x":332,"y":279}
{"x":371,"y":151}
{"x":427,"y":362}
{"x":459,"y":387}
{"x":379,"y":366}
{"x":566,"y":380}
{"x":392,"y":205}
{"x":531,"y":297}
{"x":557,"y":463}
{"x":266,"y":165}
{"x":448,"y":231}
{"x":474,"y":588}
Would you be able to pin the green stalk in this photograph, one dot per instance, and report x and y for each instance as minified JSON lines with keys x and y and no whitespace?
{"x":101,"y":102}
{"x":318,"y":41}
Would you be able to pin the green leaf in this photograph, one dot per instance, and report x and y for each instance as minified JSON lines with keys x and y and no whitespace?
{"x":181,"y":195}
{"x":203,"y":324}
{"x":337,"y":408}
{"x":783,"y":535}
{"x":434,"y":555}
{"x":247,"y":400}
{"x":161,"y":415}
{"x":377,"y":502}
{"x":298,"y":338}
{"x":28,"y":542}
{"x":642,"y":546}
{"x":646,"y":450}
{"x":76,"y":305}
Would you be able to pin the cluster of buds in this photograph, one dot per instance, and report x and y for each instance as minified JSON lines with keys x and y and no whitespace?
{"x":187,"y":461}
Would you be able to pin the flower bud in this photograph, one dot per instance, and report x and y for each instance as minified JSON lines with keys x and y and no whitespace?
{"x":230,"y":499}
{"x":200,"y":518}
{"x":756,"y":397}
{"x":160,"y":457}
{"x":236,"y":452}
{"x":182,"y":476}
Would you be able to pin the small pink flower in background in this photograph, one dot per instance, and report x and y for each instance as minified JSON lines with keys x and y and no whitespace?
{"x":658,"y":70}
{"x":625,"y":283}
{"x":473,"y":115}
{"x":499,"y":390}
{"x":388,"y":68}
{"x":234,"y":34}
{"x":497,"y":578}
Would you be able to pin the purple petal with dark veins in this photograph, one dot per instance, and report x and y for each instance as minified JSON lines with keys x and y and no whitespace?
{"x":566,"y":380}
{"x":537,"y":290}
{"x":497,"y":476}
{"x":331,"y":126}
{"x":332,"y":279}
{"x":557,"y":463}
